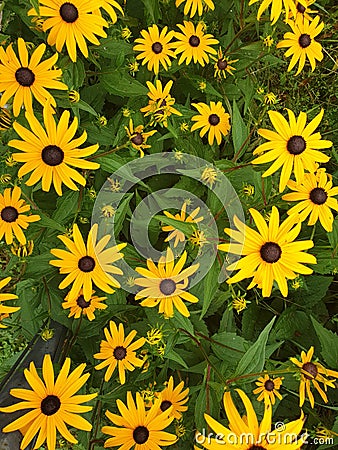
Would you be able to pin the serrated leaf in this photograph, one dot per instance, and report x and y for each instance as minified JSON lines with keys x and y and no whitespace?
{"x":329,"y":343}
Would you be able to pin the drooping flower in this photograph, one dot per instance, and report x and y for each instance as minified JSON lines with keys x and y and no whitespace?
{"x":138,"y":138}
{"x":4,"y":309}
{"x":276,"y":8}
{"x":79,"y":305}
{"x":223,"y":65}
{"x":118,"y":351}
{"x":25,"y":78}
{"x":269,"y":254}
{"x":195,"y":6}
{"x":212,"y":120}
{"x":53,"y":404}
{"x":268,"y":389}
{"x":108,"y":6}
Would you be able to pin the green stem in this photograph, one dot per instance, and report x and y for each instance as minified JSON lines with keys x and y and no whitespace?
{"x":114,"y":150}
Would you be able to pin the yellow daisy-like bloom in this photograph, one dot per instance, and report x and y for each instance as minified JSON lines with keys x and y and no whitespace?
{"x":89,"y":264}
{"x":268,"y":388}
{"x":79,"y":305}
{"x":53,"y":404}
{"x":182,"y":217}
{"x":12,"y":217}
{"x":223,"y":65}
{"x":108,"y":6}
{"x":195,"y":6}
{"x":303,"y":10}
{"x":175,"y":397}
{"x":313,"y":372}
{"x":302,"y":44}
{"x":71,"y":23}
{"x":160,"y":104}
{"x":276,"y":8}
{"x":269,"y":254}
{"x":25,"y":78}
{"x":293,"y":146}
{"x":49,"y":152}
{"x":155,"y":47}
{"x":256,"y":436}
{"x":316,"y":198}
{"x":6,"y":310}
{"x":5,"y":119}
{"x":138,"y":138}
{"x":194,"y":44}
{"x":212,"y":120}
{"x":165,"y":285}
{"x":138,"y":428}
{"x":119,"y":351}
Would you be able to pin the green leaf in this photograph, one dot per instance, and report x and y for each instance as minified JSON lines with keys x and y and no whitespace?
{"x":239,"y":130}
{"x":85,"y":107}
{"x":30,"y":304}
{"x":66,"y":206}
{"x":184,"y":227}
{"x":177,"y":358}
{"x":254,"y":358}
{"x":121,"y":84}
{"x":328,"y":342}
{"x":111,"y":47}
{"x":36,"y":5}
{"x":50,"y":223}
{"x":209,"y":287}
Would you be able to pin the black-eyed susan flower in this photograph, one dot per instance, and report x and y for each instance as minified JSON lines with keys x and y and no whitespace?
{"x":89,"y":264}
{"x":246,"y":433}
{"x":12,"y":215}
{"x":303,"y":10}
{"x":138,"y":428}
{"x":165,"y":285}
{"x":50,"y":152}
{"x":269,"y":254}
{"x":118,"y":351}
{"x":293,"y":146}
{"x":182,"y":217}
{"x":26,"y":77}
{"x":223,"y":65}
{"x":195,"y":6}
{"x":302,"y":44}
{"x":156,"y":48}
{"x":71,"y":23}
{"x":212,"y":120}
{"x":79,"y":306}
{"x":5,"y":119}
{"x":53,"y":404}
{"x":315,"y":196}
{"x":108,"y":6}
{"x":138,"y":138}
{"x":5,"y":310}
{"x":160,"y":104}
{"x":268,"y":389}
{"x":276,"y":8}
{"x":22,"y":250}
{"x":194,"y":44}
{"x":176,"y":397}
{"x":313,"y":372}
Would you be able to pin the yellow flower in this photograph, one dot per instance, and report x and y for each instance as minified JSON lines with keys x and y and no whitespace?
{"x":115,"y":185}
{"x":71,"y":23}
{"x":138,"y":138}
{"x":316,"y":198}
{"x":223,"y":65}
{"x":5,"y":311}
{"x":269,"y":254}
{"x":52,"y":404}
{"x":47,"y":334}
{"x":108,"y":211}
{"x":315,"y":373}
{"x":154,"y":336}
{"x":248,"y":190}
{"x":165,"y":285}
{"x":133,"y":67}
{"x":297,"y":283}
{"x":270,"y":98}
{"x":22,"y":250}
{"x":212,"y":120}
{"x":102,"y":121}
{"x":182,"y":217}
{"x":194,"y":44}
{"x":5,"y":178}
{"x":155,"y":47}
{"x":198,"y":238}
{"x":195,"y":6}
{"x":268,"y":388}
{"x":209,"y":176}
{"x":239,"y":302}
{"x":293,"y":146}
{"x":25,"y":78}
{"x":74,"y":96}
{"x":276,"y":8}
{"x":126,"y":34}
{"x":303,"y":10}
{"x":108,"y":6}
{"x":268,"y":41}
{"x":175,"y":397}
{"x":79,"y":305}
{"x":302,"y":44}
{"x":118,"y":351}
{"x":5,"y":119}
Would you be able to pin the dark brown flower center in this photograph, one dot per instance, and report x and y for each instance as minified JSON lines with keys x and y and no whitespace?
{"x":296,"y":145}
{"x":52,"y":155}
{"x":25,"y":76}
{"x":214,"y":119}
{"x":256,"y":447}
{"x":310,"y":368}
{"x":140,"y":434}
{"x":157,"y":47}
{"x":165,"y":405}
{"x":194,"y":41}
{"x":119,"y":352}
{"x":137,"y":139}
{"x":69,"y":12}
{"x":300,"y":8}
{"x":9,"y":214}
{"x":82,"y":302}
{"x":167,"y":286}
{"x":269,"y":385}
{"x":50,"y":405}
{"x":86,"y":264}
{"x":318,"y":196}
{"x":270,"y":252}
{"x":304,"y":40}
{"x":222,"y":64}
